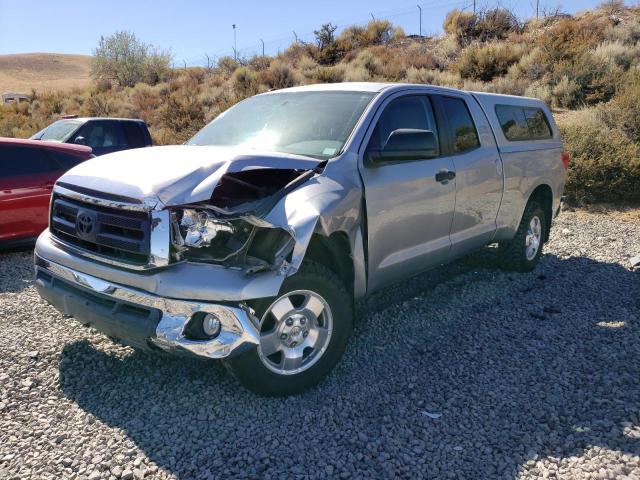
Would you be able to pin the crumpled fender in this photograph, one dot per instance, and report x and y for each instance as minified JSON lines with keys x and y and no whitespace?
{"x":321,"y":205}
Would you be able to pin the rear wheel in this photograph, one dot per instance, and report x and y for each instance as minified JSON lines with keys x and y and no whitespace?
{"x":523,"y":252}
{"x":303,"y":334}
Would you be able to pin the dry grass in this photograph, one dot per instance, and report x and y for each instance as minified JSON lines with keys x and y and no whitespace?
{"x":625,"y":213}
{"x":23,"y":72}
{"x":589,"y":63}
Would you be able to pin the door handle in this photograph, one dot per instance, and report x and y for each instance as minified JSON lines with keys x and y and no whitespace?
{"x":444,"y":176}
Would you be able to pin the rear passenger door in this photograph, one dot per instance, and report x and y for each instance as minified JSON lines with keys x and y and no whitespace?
{"x":409,"y":204}
{"x":27,"y":175}
{"x":478,"y":167}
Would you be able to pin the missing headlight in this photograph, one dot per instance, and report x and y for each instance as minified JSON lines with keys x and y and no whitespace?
{"x":199,"y":228}
{"x":198,"y":235}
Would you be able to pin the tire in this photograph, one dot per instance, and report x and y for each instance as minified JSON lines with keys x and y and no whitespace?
{"x":516,"y":254}
{"x":268,"y":371}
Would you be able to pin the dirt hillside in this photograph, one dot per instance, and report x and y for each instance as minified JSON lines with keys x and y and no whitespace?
{"x":43,"y":71}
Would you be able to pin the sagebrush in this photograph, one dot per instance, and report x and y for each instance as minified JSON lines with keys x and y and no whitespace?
{"x":586,"y":66}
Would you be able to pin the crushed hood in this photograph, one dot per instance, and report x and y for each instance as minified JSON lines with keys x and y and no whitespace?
{"x":176,"y":175}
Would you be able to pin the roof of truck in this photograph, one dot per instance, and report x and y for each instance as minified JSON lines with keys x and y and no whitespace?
{"x":373,"y":87}
{"x":376,"y":87}
{"x":86,"y":119}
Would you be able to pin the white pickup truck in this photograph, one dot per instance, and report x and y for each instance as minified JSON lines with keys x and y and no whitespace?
{"x":251,"y":243}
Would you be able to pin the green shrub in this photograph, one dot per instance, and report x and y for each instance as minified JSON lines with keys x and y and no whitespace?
{"x":486,"y":61}
{"x":461,"y":25}
{"x":124,"y":60}
{"x":605,"y":162}
{"x":279,"y":75}
{"x":226,"y":66}
{"x":333,"y":74}
{"x":444,"y":50}
{"x":616,"y":54}
{"x":492,"y":24}
{"x":596,"y":80}
{"x":566,"y":93}
{"x":370,"y":63}
{"x":99,"y":105}
{"x":415,"y":55}
{"x":508,"y":85}
{"x":351,"y":39}
{"x":623,"y":111}
{"x":433,"y":77}
{"x":496,"y":23}
{"x":377,"y":32}
{"x":590,"y":59}
{"x":531,"y":65}
{"x":570,"y":38}
{"x":244,"y":82}
{"x":539,"y":90}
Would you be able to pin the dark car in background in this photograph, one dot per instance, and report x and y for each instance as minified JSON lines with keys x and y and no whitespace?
{"x":28,"y":170}
{"x":103,"y":135}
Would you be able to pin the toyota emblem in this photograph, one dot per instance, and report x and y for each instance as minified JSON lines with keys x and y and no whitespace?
{"x":84,"y":225}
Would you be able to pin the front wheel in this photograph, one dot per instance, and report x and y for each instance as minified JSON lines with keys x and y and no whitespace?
{"x":303,"y":334}
{"x":523,"y":252}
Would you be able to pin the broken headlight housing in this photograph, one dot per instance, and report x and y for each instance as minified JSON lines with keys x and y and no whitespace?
{"x":198,"y":228}
{"x":199,"y":235}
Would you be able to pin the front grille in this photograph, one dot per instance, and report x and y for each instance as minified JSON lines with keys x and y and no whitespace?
{"x":121,"y":235}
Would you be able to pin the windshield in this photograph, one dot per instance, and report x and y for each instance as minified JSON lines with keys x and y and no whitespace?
{"x":315,"y":124}
{"x":59,"y":131}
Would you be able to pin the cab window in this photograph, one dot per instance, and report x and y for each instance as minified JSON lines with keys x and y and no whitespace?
{"x":523,"y":123}
{"x":464,"y":136}
{"x":414,"y":112}
{"x":102,"y":134}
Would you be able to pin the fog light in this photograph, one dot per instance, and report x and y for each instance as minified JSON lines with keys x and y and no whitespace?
{"x":211,"y":325}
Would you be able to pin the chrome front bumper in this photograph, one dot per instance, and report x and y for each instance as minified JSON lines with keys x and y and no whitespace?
{"x":239,"y":328}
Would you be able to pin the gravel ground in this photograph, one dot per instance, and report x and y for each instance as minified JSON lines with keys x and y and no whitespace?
{"x":464,"y":372}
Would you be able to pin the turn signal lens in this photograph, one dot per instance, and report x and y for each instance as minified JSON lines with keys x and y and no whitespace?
{"x":565,"y":159}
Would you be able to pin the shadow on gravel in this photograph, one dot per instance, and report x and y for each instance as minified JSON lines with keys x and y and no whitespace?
{"x":520,"y":366}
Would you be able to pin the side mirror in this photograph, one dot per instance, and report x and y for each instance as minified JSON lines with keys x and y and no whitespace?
{"x":80,"y":141}
{"x":405,"y":144}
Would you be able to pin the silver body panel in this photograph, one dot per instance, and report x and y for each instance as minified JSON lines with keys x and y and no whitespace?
{"x":398,"y":220}
{"x":527,"y":165}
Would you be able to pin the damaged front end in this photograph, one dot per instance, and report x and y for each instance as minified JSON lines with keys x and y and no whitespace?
{"x":219,"y":237}
{"x":230,"y":229}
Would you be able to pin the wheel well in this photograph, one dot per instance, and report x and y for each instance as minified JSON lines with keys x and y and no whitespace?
{"x":334,"y":253}
{"x":544,"y":196}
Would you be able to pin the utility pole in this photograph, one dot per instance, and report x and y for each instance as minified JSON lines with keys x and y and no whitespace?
{"x":262,"y":47}
{"x":474,"y":7}
{"x":295,"y":35}
{"x":235,"y":44}
{"x":537,"y":8}
{"x":208,"y":61}
{"x":420,"y":8}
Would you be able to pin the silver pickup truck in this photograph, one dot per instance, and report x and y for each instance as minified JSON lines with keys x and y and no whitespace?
{"x":251,"y":243}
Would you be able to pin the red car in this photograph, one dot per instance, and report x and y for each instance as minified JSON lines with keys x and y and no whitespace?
{"x":28,"y":170}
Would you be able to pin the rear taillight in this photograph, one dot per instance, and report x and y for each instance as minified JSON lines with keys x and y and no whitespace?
{"x":565,"y":159}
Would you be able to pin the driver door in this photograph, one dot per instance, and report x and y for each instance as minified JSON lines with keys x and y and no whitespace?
{"x":409,"y":210}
